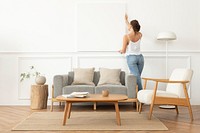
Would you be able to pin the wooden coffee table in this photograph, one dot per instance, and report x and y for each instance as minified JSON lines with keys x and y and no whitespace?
{"x":112,"y":98}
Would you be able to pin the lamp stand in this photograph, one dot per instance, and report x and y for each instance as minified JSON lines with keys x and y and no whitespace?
{"x":166,"y":75}
{"x":166,"y":59}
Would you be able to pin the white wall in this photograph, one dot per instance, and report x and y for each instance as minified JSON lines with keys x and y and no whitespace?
{"x":44,"y":33}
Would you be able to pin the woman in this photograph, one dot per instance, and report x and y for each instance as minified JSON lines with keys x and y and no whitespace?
{"x":131,"y":47}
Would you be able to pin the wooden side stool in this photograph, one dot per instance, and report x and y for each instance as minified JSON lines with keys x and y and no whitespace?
{"x":39,"y":96}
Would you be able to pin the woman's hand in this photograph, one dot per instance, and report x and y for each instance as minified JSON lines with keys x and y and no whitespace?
{"x":126,"y":17}
{"x":126,"y":21}
{"x":121,"y":51}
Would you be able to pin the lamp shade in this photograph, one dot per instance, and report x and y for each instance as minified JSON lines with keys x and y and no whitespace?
{"x":166,"y":36}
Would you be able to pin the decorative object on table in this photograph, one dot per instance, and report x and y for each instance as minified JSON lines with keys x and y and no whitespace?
{"x":39,"y":79}
{"x":105,"y":93}
{"x":76,"y":94}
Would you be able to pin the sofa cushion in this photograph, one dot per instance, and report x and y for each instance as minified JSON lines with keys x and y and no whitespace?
{"x":83,"y":76}
{"x":78,"y":88}
{"x":113,"y":89}
{"x":109,"y":76}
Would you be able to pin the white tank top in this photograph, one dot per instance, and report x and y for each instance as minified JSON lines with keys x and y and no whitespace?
{"x":133,"y":48}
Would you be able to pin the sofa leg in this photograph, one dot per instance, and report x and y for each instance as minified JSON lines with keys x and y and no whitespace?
{"x":95,"y":105}
{"x":51,"y":106}
{"x":136,"y":105}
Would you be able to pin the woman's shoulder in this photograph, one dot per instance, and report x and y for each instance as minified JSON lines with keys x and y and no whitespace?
{"x":140,"y":34}
{"x":126,"y":37}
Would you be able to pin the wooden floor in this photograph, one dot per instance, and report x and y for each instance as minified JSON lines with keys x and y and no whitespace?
{"x":11,"y":115}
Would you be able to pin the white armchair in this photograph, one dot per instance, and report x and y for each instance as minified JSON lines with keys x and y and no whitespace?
{"x":175,"y":94}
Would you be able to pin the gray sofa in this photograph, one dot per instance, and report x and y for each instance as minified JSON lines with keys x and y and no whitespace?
{"x":62,"y":84}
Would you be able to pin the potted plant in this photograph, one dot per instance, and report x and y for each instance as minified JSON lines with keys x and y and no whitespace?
{"x":39,"y":80}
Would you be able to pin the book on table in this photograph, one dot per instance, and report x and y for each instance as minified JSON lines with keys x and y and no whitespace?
{"x":76,"y":94}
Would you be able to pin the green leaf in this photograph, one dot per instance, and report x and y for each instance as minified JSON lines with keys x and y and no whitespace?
{"x":37,"y":73}
{"x":28,"y":75}
{"x":22,"y":75}
{"x":31,"y":67}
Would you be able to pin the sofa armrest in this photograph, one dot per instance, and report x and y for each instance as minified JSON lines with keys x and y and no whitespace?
{"x":130,"y":83}
{"x":59,"y":81}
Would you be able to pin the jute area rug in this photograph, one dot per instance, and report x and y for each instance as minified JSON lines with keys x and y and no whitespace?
{"x":89,"y":121}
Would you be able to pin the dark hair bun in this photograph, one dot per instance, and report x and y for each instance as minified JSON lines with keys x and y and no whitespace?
{"x":135,"y":24}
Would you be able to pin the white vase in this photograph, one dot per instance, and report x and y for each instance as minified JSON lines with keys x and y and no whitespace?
{"x":40,"y":80}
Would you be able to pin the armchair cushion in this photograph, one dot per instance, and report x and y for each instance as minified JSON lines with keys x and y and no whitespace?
{"x":182,"y":75}
{"x":145,"y":96}
{"x":83,"y":76}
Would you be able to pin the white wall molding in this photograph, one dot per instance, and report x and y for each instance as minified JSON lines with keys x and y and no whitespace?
{"x":171,"y":51}
{"x":88,"y":52}
{"x":92,"y":57}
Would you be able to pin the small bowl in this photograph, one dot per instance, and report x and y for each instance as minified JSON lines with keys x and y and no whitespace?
{"x":105,"y":93}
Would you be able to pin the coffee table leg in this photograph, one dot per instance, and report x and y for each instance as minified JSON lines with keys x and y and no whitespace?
{"x":117,"y":113}
{"x":65,"y":112}
{"x":69,"y":109}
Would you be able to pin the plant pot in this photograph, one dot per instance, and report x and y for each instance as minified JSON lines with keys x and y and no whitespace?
{"x":40,"y":80}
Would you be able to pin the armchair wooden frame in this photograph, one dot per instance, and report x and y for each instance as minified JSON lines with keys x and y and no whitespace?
{"x":157,"y":100}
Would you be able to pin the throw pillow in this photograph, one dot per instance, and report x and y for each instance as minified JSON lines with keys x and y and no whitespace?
{"x":109,"y":76}
{"x":83,"y":76}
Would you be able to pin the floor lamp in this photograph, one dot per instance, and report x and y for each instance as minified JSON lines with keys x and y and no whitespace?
{"x":166,"y":36}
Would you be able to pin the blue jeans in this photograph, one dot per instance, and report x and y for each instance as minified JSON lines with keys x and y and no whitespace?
{"x":136,"y":64}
